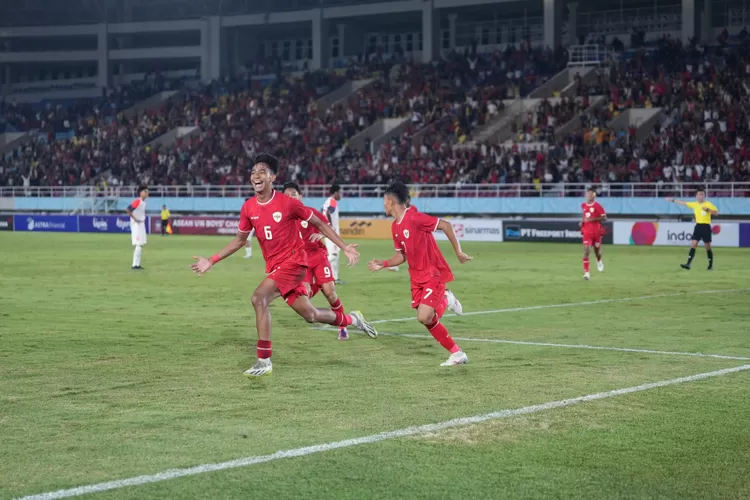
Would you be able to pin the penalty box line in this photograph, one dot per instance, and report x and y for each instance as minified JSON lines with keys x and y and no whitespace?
{"x":568,"y":346}
{"x":574,"y":346}
{"x":374,"y":438}
{"x":568,"y":304}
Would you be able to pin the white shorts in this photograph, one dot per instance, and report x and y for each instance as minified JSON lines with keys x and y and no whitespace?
{"x":138,"y":233}
{"x":331,"y":248}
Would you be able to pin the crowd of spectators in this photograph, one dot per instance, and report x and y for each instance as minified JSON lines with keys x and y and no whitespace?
{"x":701,"y":138}
{"x":703,"y":93}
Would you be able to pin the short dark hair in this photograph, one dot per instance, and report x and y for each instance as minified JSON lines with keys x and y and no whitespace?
{"x":700,"y":189}
{"x":291,"y":185}
{"x":142,"y":187}
{"x":335,"y":188}
{"x":268,"y":159}
{"x":400,"y":191}
{"x":592,"y":189}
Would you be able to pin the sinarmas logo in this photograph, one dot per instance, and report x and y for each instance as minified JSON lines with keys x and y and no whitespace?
{"x":360,"y":223}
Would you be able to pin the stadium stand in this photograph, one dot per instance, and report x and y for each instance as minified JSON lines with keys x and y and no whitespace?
{"x":398,"y":118}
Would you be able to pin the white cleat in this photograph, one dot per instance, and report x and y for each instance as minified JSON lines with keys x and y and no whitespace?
{"x":600,"y":265}
{"x":261,"y":368}
{"x":586,"y":276}
{"x":394,"y":269}
{"x":363,"y":325}
{"x":453,"y":303}
{"x":457,"y":358}
{"x":248,"y":255}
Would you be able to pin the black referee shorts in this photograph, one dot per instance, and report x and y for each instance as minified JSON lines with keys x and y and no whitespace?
{"x":702,"y":232}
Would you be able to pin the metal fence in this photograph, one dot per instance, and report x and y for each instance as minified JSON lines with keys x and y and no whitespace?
{"x":623,"y":190}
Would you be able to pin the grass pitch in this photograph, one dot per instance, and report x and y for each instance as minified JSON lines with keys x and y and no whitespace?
{"x":106,"y":374}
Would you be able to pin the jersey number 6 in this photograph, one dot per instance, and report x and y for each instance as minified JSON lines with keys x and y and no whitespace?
{"x":267,"y":232}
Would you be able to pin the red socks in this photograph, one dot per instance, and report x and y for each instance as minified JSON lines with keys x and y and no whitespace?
{"x":341,"y":318}
{"x":585,"y":264}
{"x":264,"y":349}
{"x":440,"y":333}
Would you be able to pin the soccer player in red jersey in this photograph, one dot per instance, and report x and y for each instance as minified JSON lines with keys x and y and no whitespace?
{"x":319,"y":272}
{"x":428,"y":270}
{"x":592,"y":230}
{"x":275,"y":216}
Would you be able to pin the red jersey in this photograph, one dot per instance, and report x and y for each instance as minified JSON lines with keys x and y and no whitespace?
{"x":275,"y":223}
{"x":316,"y":249}
{"x":412,"y":236}
{"x":591,"y":210}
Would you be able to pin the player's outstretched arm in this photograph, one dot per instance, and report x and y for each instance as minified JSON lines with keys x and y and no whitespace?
{"x":397,"y":259}
{"x":349,"y":250}
{"x":447,"y":228}
{"x":202,"y":264}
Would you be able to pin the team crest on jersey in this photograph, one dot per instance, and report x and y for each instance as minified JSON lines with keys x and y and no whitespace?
{"x":277,"y":216}
{"x":406,"y":234}
{"x":304,"y":224}
{"x":591,"y":209}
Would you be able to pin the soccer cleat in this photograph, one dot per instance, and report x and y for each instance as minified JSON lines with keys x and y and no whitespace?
{"x":343,"y":334}
{"x":600,"y":265}
{"x":393,"y":269}
{"x":248,"y":256}
{"x":685,"y":266}
{"x":261,"y":368}
{"x":137,"y":268}
{"x":586,"y":276}
{"x":457,"y":358}
{"x":339,"y":282}
{"x":453,"y":303}
{"x":710,"y":268}
{"x":362,"y":325}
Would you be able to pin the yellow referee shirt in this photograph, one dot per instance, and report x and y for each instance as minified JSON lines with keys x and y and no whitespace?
{"x":701,"y":210}
{"x":165,"y":214}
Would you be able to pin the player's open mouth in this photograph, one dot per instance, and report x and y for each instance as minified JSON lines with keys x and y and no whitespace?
{"x":257,"y":184}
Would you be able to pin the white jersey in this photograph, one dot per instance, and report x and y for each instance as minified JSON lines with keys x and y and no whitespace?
{"x":331,"y":209}
{"x":138,"y":229}
{"x":138,"y":207}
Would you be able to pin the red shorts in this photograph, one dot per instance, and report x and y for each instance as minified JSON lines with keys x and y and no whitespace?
{"x":318,"y":272}
{"x":592,"y":238}
{"x":289,"y":278}
{"x":430,"y":294}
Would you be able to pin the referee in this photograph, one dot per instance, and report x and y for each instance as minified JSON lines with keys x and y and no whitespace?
{"x":165,"y":215}
{"x":703,"y":211}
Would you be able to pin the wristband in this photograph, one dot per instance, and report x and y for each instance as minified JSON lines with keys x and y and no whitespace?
{"x":386,"y":263}
{"x":215,"y":259}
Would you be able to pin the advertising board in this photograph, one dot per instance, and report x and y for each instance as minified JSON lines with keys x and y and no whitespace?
{"x":549,"y":231}
{"x":672,"y":233}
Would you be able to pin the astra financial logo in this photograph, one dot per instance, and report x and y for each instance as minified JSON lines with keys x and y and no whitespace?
{"x":33,"y":224}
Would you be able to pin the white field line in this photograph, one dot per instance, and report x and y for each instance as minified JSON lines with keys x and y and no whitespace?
{"x":374,"y":438}
{"x":574,"y":346}
{"x":568,"y":304}
{"x":571,"y":304}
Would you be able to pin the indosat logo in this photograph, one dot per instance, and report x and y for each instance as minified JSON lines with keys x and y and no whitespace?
{"x":645,"y":233}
